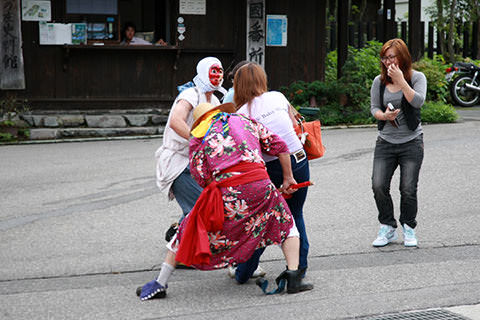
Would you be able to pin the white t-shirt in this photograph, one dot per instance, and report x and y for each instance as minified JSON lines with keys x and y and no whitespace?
{"x":271,"y":110}
{"x":172,"y":156}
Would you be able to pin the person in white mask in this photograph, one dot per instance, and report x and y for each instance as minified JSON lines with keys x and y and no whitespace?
{"x":173,"y":173}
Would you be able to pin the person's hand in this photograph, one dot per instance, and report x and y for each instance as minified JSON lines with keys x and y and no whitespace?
{"x":391,"y":115}
{"x":287,"y":182}
{"x":396,"y":74}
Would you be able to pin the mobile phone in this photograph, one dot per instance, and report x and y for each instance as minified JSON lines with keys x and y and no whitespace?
{"x":394,"y":122}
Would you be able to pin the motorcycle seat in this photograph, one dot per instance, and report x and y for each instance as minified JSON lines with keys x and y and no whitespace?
{"x":467,"y":65}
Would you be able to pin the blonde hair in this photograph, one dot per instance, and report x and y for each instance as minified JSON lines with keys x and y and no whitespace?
{"x":249,"y":82}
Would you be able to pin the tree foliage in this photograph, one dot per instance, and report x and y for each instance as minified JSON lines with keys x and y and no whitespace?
{"x":450,"y":17}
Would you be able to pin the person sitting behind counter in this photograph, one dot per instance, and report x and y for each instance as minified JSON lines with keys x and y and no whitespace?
{"x":129,"y":37}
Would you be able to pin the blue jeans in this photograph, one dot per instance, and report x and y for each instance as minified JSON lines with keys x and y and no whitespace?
{"x":301,"y":173}
{"x":387,"y":157}
{"x":186,"y":191}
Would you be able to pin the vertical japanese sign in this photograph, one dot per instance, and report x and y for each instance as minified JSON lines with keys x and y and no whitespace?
{"x":256,"y":31}
{"x":11,"y":56}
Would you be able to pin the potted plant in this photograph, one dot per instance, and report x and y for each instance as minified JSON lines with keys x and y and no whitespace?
{"x":11,"y":126}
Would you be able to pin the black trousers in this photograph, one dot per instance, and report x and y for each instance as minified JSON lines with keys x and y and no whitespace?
{"x":387,"y":157}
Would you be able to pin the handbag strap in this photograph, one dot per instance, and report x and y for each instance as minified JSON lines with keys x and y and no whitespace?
{"x":299,"y":119}
{"x":296,"y":115}
{"x":298,"y":122}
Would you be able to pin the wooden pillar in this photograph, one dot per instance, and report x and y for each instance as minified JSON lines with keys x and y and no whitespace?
{"x":343,"y":14}
{"x":370,"y":30}
{"x":379,"y":27}
{"x":475,"y":40}
{"x":321,"y":44}
{"x":404,"y":31}
{"x":414,"y":29}
{"x":389,"y":30}
{"x":422,"y":39}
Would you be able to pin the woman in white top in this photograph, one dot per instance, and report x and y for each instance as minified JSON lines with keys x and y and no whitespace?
{"x":272,"y":110}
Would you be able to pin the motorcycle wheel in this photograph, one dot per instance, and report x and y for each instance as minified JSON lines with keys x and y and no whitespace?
{"x":462,"y":95}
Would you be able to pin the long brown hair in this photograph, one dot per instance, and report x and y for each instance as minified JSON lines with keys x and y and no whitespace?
{"x":250,"y":81}
{"x":403,"y":57}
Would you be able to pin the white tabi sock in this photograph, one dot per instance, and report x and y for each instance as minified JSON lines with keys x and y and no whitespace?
{"x":165,"y":274}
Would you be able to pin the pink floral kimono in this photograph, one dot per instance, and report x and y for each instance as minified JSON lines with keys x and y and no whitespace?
{"x":255,"y":214}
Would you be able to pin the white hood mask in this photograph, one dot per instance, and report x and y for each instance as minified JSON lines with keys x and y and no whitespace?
{"x":202,"y":79}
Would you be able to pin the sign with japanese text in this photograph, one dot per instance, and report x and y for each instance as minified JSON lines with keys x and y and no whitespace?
{"x":256,"y":31}
{"x":12,"y":74}
{"x":198,"y":7}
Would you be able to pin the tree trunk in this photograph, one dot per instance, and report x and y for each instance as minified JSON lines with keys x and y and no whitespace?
{"x":451,"y":30}
{"x":478,"y":44}
{"x":440,"y":26}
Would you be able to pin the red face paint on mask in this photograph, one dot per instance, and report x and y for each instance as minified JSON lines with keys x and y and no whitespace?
{"x":215,"y":74}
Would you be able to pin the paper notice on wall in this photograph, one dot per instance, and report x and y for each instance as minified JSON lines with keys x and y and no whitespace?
{"x":198,"y":7}
{"x":79,"y":33}
{"x":36,"y":10}
{"x":55,"y":33}
{"x":277,"y":30}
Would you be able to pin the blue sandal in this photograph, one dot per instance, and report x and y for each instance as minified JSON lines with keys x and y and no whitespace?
{"x":152,"y":290}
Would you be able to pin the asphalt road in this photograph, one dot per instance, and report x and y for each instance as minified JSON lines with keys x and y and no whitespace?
{"x":82,"y":224}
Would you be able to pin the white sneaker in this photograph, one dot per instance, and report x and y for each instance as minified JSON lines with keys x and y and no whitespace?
{"x":231,"y":271}
{"x":256,"y":274}
{"x":409,"y":237}
{"x":259,"y":273}
{"x":386,"y":234}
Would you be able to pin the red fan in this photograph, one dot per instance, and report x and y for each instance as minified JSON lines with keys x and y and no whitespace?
{"x":297,"y":186}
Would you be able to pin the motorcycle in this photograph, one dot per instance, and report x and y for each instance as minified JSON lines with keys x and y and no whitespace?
{"x":465,"y":87}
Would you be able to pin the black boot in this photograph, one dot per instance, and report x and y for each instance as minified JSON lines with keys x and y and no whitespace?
{"x":302,"y":271}
{"x":294,"y":280}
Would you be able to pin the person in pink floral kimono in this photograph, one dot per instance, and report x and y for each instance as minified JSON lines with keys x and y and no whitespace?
{"x":239,"y":210}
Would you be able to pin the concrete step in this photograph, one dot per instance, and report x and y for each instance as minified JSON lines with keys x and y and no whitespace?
{"x":71,"y":133}
{"x":61,"y":124}
{"x":106,"y":120}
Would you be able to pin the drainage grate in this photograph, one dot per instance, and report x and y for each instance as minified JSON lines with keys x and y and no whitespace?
{"x":420,"y":315}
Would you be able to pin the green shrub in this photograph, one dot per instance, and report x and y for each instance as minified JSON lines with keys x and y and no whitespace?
{"x":331,"y":66}
{"x":362,"y":65}
{"x":330,"y":115}
{"x":434,"y":71}
{"x":6,"y":137}
{"x":438,"y":112}
{"x":297,"y":93}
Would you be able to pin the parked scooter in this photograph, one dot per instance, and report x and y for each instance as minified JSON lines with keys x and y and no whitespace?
{"x":465,"y":87}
